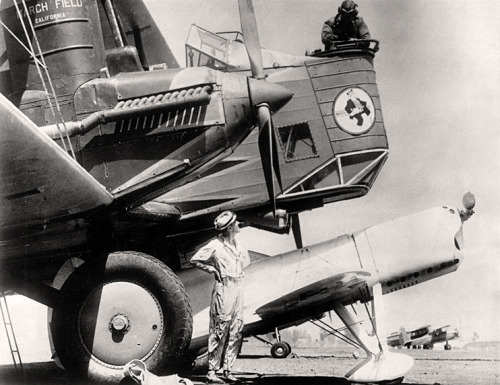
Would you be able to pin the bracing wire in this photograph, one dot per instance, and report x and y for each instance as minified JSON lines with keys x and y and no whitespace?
{"x":21,"y":43}
{"x":50,"y":81}
{"x":43,"y":79}
{"x":32,"y":53}
{"x":335,"y":332}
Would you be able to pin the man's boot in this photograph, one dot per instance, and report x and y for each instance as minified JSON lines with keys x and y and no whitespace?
{"x":229,"y":377}
{"x":213,"y":379}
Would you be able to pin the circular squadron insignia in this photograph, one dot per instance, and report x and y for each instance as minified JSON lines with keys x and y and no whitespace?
{"x":353,"y":110}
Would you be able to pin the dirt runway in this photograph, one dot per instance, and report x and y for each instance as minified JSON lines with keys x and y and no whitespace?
{"x":312,"y":366}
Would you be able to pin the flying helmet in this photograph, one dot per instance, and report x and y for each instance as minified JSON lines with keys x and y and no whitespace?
{"x":348,"y":8}
{"x":224,"y":219}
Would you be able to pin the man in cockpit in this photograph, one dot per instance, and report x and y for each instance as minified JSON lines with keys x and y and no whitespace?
{"x":346,"y":25}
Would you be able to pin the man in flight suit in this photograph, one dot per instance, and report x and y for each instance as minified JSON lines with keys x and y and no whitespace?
{"x":346,"y":25}
{"x":225,"y":258}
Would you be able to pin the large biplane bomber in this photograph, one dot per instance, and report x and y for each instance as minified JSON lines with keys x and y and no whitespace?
{"x":115,"y":161}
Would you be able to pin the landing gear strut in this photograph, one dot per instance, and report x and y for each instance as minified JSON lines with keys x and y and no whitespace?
{"x":380,"y":366}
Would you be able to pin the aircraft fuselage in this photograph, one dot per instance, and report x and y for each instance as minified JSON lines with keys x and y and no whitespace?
{"x":303,"y":284}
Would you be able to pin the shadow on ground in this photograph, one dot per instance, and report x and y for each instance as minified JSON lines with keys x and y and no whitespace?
{"x":48,"y":373}
{"x":40,"y":373}
{"x":253,"y":379}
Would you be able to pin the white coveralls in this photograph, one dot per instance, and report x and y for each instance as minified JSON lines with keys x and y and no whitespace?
{"x":226,"y":307}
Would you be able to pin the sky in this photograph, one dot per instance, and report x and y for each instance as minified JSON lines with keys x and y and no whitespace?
{"x":439,"y":83}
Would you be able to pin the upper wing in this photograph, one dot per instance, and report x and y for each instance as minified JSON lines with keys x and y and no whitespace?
{"x":318,"y":296}
{"x":38,"y":180}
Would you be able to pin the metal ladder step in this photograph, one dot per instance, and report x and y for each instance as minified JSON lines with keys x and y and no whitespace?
{"x":9,"y":330}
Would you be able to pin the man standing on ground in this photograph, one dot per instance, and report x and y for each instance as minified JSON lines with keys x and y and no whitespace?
{"x":225,"y":258}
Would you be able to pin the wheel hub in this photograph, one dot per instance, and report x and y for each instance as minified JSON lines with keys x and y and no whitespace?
{"x":119,"y":324}
{"x":120,"y":321}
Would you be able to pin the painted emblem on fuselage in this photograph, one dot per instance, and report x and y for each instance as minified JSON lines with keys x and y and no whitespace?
{"x":353,"y":111}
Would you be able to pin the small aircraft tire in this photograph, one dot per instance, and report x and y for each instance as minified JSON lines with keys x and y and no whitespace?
{"x":447,"y":347}
{"x":280,"y":350}
{"x":125,"y":306}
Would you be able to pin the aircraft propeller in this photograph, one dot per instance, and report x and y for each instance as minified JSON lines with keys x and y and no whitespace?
{"x":267,"y":141}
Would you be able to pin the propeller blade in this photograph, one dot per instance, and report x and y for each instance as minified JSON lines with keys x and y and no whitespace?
{"x":267,"y":141}
{"x":297,"y":234}
{"x":276,"y":162}
{"x":266,"y":153}
{"x":251,"y":35}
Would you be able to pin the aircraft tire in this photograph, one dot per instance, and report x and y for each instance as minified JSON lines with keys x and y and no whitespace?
{"x":447,"y":347}
{"x":280,"y":350}
{"x":125,"y":306}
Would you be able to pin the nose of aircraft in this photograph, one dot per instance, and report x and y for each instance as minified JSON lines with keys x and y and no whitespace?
{"x":262,"y":91}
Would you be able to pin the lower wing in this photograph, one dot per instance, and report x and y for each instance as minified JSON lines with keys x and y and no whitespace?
{"x":39,"y":181}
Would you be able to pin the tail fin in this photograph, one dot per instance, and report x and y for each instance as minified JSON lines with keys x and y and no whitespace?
{"x":403,"y":338}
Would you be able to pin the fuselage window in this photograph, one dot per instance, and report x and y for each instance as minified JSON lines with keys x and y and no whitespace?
{"x":297,"y":142}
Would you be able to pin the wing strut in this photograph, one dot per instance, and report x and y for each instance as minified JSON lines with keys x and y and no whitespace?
{"x":379,"y":364}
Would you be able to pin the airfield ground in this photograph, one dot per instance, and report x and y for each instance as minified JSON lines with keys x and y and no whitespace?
{"x":313,"y":366}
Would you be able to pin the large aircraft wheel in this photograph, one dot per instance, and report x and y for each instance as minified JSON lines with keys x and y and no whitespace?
{"x":280,"y":350}
{"x":126,"y":306}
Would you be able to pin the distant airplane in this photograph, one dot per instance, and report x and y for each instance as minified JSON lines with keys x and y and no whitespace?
{"x":301,"y":285}
{"x":424,"y":337}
